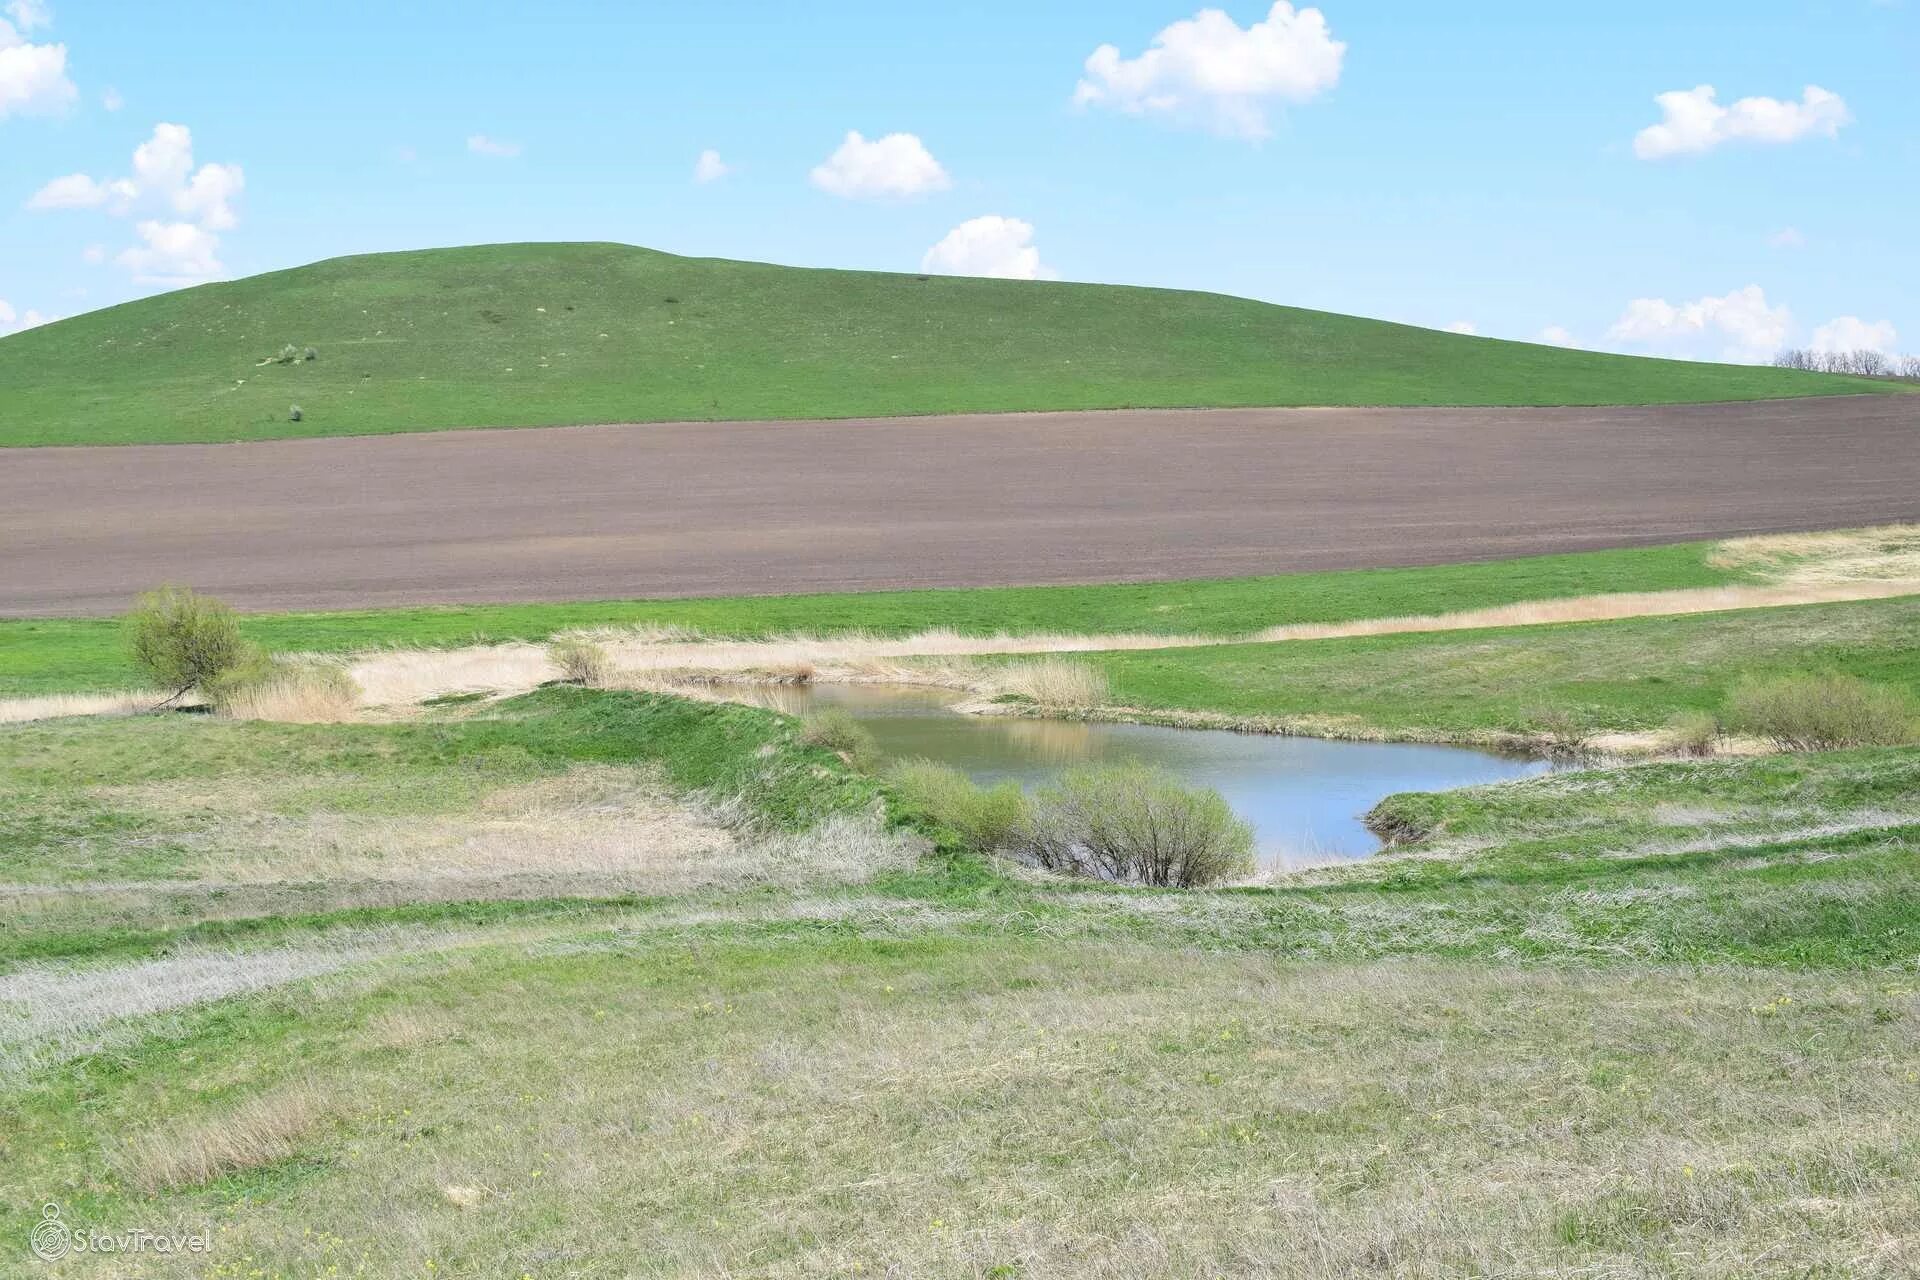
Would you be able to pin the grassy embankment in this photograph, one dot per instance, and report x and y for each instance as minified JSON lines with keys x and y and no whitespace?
{"x":1472,"y":686}
{"x":540,"y":334}
{"x":1482,"y":1056}
{"x":65,"y":655}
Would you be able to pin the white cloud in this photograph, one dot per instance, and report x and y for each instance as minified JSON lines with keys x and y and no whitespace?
{"x":1463,"y":326}
{"x":481,"y":145}
{"x":94,"y":254}
{"x":29,"y":15}
{"x":710,"y":167}
{"x":173,"y":253}
{"x":1208,"y":70}
{"x":1787,"y":238}
{"x":993,"y":246}
{"x":1556,"y":336}
{"x":75,"y":191}
{"x":1693,"y":122}
{"x":163,"y":175}
{"x":208,"y":196}
{"x":897,"y":165}
{"x":110,"y":99}
{"x":12,"y":321}
{"x":180,"y":246}
{"x":1747,"y":329}
{"x":33,"y":77}
{"x":1851,"y":333}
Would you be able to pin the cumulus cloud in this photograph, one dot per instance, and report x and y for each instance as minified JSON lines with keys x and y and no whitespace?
{"x":12,"y":321}
{"x":1556,"y":336}
{"x":1742,"y":324}
{"x":710,"y":167}
{"x":33,"y":77}
{"x":1001,"y":248}
{"x":1694,"y":122}
{"x":1463,"y":326}
{"x":897,"y":165}
{"x":179,"y":246}
{"x":1208,"y":70}
{"x":1851,"y":333}
{"x":481,"y":145}
{"x":75,"y":191}
{"x":173,"y":253}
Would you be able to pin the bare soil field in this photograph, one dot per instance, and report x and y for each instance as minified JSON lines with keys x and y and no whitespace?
{"x":740,"y":508}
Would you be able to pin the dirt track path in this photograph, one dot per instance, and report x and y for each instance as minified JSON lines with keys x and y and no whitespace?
{"x":732,"y":508}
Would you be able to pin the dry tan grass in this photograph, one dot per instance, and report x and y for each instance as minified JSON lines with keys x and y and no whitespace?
{"x":1053,"y":682}
{"x":1603,"y":608}
{"x":54,"y":705}
{"x":1885,"y":553}
{"x":408,"y":1028}
{"x":308,"y":691}
{"x":405,"y":676}
{"x":258,"y":1132}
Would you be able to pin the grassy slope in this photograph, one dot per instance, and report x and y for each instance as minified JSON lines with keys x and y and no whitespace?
{"x":59,"y":655}
{"x":78,"y":796}
{"x":1625,"y":675}
{"x":950,"y":1073}
{"x":521,"y":335}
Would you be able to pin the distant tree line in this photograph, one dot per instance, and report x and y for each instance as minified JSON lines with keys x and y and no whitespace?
{"x":1865,"y":361}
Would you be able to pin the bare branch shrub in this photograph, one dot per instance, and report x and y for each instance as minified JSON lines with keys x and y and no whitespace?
{"x":1824,"y":712}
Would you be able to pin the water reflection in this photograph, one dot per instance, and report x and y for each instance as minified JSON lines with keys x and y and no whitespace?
{"x":1304,"y":796}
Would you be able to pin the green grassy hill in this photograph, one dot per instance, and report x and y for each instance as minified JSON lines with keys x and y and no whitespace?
{"x":544,"y":334}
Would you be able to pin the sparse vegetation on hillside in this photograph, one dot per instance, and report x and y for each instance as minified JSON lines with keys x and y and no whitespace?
{"x":538,"y":334}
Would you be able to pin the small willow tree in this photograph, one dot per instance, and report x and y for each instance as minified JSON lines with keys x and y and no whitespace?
{"x":184,"y":641}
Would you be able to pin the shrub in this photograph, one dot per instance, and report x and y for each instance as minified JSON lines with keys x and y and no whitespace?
{"x":1561,"y":735}
{"x":1823,"y":712}
{"x":185,"y":641}
{"x":1136,"y":822}
{"x":985,"y":818}
{"x":294,"y":414}
{"x":287,"y":355}
{"x":1692,"y":733}
{"x":1054,"y":682}
{"x":309,"y":354}
{"x":838,"y":732}
{"x":581,"y":662}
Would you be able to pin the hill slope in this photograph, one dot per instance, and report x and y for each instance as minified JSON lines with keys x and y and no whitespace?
{"x":545,"y":334}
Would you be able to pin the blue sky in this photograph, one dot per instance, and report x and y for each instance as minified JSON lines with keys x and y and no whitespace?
{"x":1443,"y":164}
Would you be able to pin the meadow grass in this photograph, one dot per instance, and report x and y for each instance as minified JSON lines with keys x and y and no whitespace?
{"x":1629,"y":675}
{"x":47,"y":656}
{"x":942,"y":1106}
{"x":539,"y":334}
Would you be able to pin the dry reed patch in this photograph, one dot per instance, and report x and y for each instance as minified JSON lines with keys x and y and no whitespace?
{"x":261,"y":1131}
{"x":307,"y":691}
{"x":1884,"y":553}
{"x":54,"y":705}
{"x":405,"y":676}
{"x":1052,"y":682}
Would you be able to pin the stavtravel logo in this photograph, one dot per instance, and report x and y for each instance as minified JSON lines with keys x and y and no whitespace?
{"x":53,"y":1239}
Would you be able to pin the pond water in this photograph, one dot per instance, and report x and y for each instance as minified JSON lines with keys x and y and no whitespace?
{"x":1304,"y":796}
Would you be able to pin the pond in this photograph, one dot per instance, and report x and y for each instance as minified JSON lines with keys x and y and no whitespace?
{"x":1304,"y":796}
